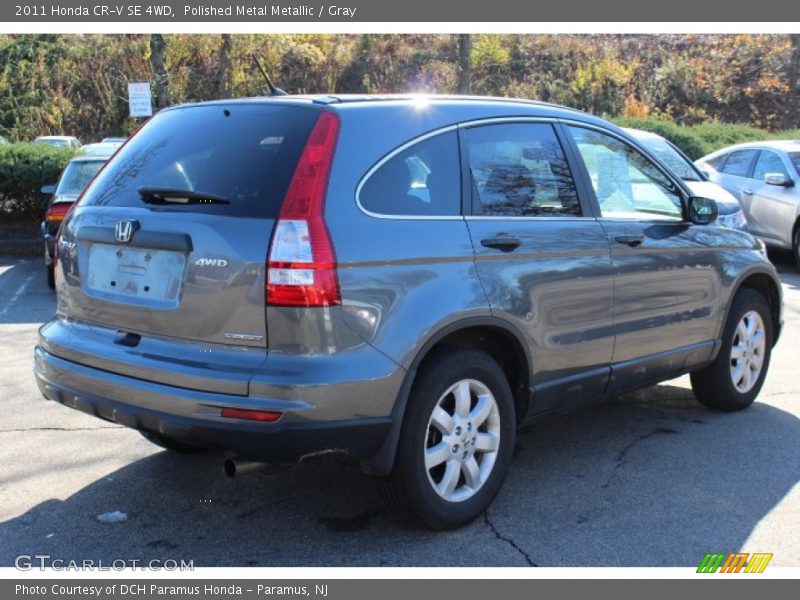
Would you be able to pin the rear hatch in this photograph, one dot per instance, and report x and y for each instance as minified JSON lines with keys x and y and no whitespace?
{"x":171,"y":238}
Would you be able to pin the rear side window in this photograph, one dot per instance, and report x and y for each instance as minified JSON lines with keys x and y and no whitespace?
{"x":519,"y":170}
{"x":718,"y":161}
{"x":424,"y":179}
{"x":244,"y":153}
{"x":738,"y":163}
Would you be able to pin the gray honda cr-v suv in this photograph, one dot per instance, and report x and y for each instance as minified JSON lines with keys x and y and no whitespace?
{"x":401,"y":279}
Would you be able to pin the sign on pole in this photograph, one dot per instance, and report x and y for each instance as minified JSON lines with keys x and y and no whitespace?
{"x":140,"y":99}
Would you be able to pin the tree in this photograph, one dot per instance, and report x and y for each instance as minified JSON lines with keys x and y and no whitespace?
{"x":157,"y":64}
{"x":464,"y":63}
{"x":224,"y":69}
{"x":793,"y":83}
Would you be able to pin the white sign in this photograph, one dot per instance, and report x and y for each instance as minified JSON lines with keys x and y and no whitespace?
{"x":140,"y":99}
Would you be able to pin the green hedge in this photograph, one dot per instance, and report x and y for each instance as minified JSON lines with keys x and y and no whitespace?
{"x":698,"y":140}
{"x":24,"y":169}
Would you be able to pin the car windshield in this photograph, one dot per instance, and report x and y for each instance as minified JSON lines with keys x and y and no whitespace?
{"x":674,"y":159}
{"x":77,"y":175}
{"x":795,"y":158}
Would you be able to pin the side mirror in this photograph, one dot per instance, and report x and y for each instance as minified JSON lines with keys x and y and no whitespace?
{"x":779,"y":179}
{"x":702,"y":211}
{"x":48,"y":190}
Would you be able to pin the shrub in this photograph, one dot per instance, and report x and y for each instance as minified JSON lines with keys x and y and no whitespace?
{"x":701,"y":139}
{"x":24,"y":169}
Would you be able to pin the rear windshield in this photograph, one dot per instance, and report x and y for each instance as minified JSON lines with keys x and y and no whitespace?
{"x":77,"y":175}
{"x":244,"y":153}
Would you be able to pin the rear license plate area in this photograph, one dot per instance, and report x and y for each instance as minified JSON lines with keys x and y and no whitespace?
{"x":139,"y":276}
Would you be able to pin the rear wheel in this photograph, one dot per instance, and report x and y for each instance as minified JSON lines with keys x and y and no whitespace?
{"x":456,"y":442}
{"x":51,"y":276}
{"x":734,"y":379}
{"x":172,"y":444}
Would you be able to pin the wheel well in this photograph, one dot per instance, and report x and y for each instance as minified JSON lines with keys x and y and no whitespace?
{"x":501,"y":345}
{"x":766,"y":286}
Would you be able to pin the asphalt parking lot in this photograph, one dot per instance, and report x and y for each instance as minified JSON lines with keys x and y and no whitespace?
{"x":649,"y":479}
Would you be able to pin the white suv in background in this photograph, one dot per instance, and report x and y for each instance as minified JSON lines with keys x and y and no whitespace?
{"x":730,"y":211}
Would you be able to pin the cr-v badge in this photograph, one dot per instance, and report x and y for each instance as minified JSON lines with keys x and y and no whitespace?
{"x":211,"y":262}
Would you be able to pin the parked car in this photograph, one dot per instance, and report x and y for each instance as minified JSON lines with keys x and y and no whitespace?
{"x":114,"y":140}
{"x":105,"y":149}
{"x":730,"y":211}
{"x":59,"y":141}
{"x":77,"y":174}
{"x":266,"y":276}
{"x":762,"y":176}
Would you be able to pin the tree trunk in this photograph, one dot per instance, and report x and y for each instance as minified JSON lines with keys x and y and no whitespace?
{"x":792,"y":115}
{"x":224,"y":69}
{"x":464,"y":63}
{"x":157,"y":49}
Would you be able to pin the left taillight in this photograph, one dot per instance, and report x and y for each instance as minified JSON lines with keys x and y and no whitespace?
{"x":55,"y":214}
{"x":301,"y":269}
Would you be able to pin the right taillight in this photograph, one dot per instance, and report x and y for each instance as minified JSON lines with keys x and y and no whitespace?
{"x":301,"y":270}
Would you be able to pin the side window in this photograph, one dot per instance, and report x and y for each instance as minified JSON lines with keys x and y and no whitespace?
{"x":424,"y":179}
{"x":738,"y":163}
{"x":627,"y":183}
{"x":768,"y":162}
{"x":718,"y":161}
{"x":519,"y":170}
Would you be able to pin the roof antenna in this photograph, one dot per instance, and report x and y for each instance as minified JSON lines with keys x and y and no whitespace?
{"x":273,"y":91}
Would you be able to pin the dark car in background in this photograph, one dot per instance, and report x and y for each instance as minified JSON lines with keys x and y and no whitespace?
{"x":401,"y":279}
{"x":77,"y":174}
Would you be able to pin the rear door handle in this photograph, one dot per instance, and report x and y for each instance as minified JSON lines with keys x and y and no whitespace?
{"x":747,"y":192}
{"x":631,"y":240}
{"x":506,"y":243}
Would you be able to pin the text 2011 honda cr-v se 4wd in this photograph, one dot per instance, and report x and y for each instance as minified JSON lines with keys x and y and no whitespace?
{"x":402,"y":279}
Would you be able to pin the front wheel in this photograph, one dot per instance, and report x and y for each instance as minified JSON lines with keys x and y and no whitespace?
{"x":734,"y":379}
{"x":796,"y":248}
{"x":455,"y":444}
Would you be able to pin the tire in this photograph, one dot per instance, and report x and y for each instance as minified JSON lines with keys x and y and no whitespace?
{"x":475,"y":446}
{"x":172,"y":444}
{"x":51,"y":277}
{"x":796,"y":247}
{"x":724,"y":384}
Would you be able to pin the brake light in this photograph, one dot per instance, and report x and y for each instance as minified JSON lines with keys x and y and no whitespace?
{"x":301,"y":270}
{"x":265,"y":416}
{"x":57,"y":212}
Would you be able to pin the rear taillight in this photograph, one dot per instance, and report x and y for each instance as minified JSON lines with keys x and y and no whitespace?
{"x":56,"y":213}
{"x":301,"y":270}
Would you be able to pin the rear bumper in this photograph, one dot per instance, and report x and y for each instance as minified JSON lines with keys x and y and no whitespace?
{"x":194,"y":416}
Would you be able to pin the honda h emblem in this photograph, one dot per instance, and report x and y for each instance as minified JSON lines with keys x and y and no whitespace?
{"x":123,"y":230}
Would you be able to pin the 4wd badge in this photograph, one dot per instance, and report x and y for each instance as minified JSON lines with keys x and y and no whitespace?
{"x":211,"y":262}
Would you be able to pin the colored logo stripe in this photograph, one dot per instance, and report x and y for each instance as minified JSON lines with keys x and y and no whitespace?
{"x":734,"y":562}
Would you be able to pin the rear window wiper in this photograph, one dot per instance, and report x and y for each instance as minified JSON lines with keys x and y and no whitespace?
{"x":155,"y":195}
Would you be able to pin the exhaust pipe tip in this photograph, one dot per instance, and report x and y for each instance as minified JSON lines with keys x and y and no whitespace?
{"x":237,"y":466}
